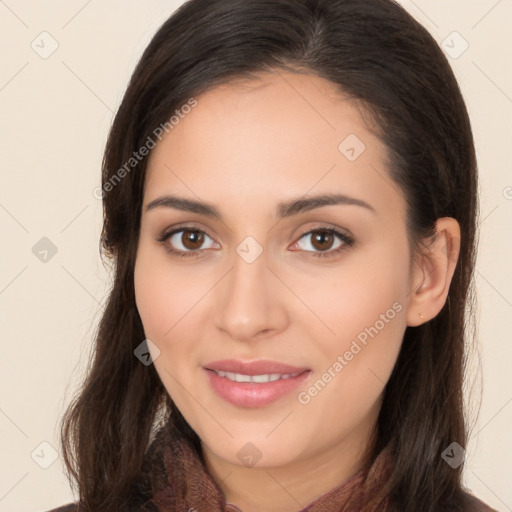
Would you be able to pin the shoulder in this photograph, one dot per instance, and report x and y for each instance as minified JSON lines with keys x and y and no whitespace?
{"x":70,"y":507}
{"x":473,"y":504}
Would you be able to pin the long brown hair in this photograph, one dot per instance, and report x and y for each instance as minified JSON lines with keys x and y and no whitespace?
{"x":374,"y":51}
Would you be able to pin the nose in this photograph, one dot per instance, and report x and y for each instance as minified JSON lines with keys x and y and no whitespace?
{"x":250,"y":301}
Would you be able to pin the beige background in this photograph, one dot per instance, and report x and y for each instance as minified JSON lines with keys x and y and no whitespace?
{"x":55,"y":113}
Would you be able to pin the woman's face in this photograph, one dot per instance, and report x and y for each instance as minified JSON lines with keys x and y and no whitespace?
{"x":263,"y":278}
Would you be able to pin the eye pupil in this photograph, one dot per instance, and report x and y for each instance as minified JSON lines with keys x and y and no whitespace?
{"x":194,"y":237}
{"x":320,"y":238}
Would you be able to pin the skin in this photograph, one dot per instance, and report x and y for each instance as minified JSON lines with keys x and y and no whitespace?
{"x":244,"y":148}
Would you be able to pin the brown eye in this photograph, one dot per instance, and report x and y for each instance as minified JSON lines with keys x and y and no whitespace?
{"x":185,"y":241}
{"x":322,"y":240}
{"x":192,"y":239}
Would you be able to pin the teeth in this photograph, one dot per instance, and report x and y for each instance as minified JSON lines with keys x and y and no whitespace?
{"x":269,"y":377}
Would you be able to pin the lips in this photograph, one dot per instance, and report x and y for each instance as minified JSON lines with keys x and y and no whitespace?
{"x":261,"y":367}
{"x":255,"y":383}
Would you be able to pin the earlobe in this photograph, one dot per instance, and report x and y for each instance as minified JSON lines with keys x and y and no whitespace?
{"x":433,"y":272}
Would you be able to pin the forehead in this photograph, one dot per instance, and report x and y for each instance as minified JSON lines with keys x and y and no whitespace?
{"x":270,"y":136}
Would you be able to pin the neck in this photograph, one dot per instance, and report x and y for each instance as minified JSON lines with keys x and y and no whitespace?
{"x":293,"y":486}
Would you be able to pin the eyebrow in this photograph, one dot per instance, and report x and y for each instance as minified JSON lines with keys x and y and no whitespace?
{"x":284,"y":209}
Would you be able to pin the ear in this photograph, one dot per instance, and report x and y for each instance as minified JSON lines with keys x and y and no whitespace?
{"x":433,"y":271}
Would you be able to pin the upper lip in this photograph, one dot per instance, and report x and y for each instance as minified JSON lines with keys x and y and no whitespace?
{"x":261,"y":367}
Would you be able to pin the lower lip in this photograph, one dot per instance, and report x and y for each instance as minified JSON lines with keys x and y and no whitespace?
{"x":252,"y":394}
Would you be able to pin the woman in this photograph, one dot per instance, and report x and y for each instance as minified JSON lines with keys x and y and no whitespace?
{"x":289,"y":192}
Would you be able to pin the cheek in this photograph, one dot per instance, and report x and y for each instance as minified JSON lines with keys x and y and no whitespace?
{"x":354,"y":365}
{"x":163,"y":295}
{"x":165,"y":306}
{"x":354,"y":295}
{"x":363,"y":305}
{"x":151,"y":299}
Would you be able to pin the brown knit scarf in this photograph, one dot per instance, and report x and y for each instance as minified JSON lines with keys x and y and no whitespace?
{"x":180,"y":482}
{"x":174,"y":479}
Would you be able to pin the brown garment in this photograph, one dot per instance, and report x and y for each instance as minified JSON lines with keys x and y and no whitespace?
{"x":176,"y":480}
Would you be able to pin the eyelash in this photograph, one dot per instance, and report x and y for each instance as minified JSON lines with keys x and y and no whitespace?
{"x":347,"y":242}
